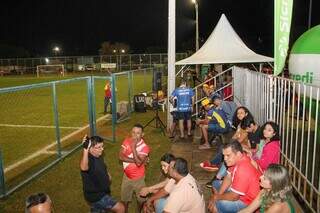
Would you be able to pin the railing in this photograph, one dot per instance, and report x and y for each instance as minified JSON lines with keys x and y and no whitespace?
{"x":218,"y":81}
{"x":295,"y":107}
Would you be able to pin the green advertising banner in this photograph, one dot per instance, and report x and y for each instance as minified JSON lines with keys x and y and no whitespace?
{"x":282,"y":24}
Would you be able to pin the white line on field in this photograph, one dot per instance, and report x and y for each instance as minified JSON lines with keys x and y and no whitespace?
{"x":44,"y":150}
{"x":52,"y":152}
{"x":39,"y":126}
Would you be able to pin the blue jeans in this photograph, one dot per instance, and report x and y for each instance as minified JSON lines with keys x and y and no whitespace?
{"x":105,"y":203}
{"x":107,"y":101}
{"x":217,"y":129}
{"x":218,"y":157}
{"x":226,"y":206}
{"x":222,"y":171}
{"x":159,"y":205}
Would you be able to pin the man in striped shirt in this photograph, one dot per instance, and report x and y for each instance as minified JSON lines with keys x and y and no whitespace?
{"x":133,"y":154}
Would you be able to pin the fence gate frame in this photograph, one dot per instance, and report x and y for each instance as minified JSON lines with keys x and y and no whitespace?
{"x":90,"y":82}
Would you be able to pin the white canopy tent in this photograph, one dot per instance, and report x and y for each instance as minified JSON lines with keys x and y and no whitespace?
{"x":224,"y":46}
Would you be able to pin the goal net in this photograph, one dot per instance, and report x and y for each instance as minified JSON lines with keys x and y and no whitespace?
{"x":50,"y":68}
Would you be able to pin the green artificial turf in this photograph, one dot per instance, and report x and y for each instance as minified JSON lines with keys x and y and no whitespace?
{"x":35,"y":107}
{"x":63,"y":182}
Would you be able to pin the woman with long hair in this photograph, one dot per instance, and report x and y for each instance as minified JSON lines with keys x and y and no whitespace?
{"x":241,"y":135}
{"x":268,"y":150}
{"x":275,"y":194}
{"x":239,"y":115}
{"x":165,"y":162}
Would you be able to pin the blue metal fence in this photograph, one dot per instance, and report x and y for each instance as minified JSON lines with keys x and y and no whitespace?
{"x":34,"y":99}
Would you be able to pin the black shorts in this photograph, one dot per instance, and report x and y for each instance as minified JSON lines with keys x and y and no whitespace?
{"x":184,"y":115}
{"x":174,"y":116}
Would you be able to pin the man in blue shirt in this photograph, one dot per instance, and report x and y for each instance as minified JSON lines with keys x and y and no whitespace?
{"x":185,"y":102}
{"x":228,"y":107}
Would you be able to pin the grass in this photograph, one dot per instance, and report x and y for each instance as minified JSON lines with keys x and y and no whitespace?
{"x":34,"y":107}
{"x":63,"y":182}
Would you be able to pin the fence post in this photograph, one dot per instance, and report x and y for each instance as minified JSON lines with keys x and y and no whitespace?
{"x":130,"y":91}
{"x":144,"y":76}
{"x":89,"y":94}
{"x":2,"y":182}
{"x":93,"y":111}
{"x":114,"y":107}
{"x":56,"y":118}
{"x":271,"y":100}
{"x":150,"y":60}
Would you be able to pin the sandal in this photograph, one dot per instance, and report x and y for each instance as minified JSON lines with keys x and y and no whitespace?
{"x":204,"y":146}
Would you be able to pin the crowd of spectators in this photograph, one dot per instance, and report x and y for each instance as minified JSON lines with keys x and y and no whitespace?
{"x":249,"y":176}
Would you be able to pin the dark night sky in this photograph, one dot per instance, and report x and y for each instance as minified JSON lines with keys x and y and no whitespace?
{"x":80,"y":26}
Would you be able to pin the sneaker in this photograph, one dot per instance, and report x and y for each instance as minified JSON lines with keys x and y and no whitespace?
{"x":214,"y":141}
{"x":206,"y":165}
{"x":209,"y":184}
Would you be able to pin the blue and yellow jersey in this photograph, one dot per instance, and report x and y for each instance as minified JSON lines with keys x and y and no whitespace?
{"x":217,"y":116}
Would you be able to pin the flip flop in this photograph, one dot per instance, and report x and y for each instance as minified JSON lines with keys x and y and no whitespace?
{"x":202,"y":147}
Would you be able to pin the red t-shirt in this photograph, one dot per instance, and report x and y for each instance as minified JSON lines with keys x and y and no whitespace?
{"x":227,"y":92}
{"x":245,"y":180}
{"x":107,"y":91}
{"x":131,"y":170}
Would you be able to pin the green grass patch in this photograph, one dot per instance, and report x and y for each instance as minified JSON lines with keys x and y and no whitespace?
{"x":63,"y":182}
{"x":35,"y":107}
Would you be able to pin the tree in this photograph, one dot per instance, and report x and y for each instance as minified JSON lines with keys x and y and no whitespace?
{"x":10,"y":51}
{"x":108,"y":48}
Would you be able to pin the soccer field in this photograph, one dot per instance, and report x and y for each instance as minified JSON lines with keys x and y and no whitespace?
{"x":27,"y":126}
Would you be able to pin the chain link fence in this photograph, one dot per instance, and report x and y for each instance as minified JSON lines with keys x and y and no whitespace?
{"x":43,"y":123}
{"x":98,"y":63}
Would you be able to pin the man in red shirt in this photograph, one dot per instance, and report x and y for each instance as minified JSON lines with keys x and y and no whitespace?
{"x":240,"y":187}
{"x":133,"y":154}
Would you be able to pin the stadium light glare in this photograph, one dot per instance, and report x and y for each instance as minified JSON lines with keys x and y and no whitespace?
{"x":56,"y":50}
{"x":114,"y":51}
{"x":47,"y":60}
{"x":123,"y":51}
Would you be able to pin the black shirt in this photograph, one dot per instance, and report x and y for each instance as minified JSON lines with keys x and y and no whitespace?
{"x":96,"y":183}
{"x":255,"y":137}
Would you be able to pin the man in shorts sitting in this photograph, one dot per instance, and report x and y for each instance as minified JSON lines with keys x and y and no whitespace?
{"x":214,"y":122}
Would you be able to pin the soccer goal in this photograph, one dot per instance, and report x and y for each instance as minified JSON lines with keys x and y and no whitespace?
{"x":50,"y":68}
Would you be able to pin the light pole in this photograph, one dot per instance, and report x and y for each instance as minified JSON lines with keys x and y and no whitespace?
{"x":197,"y":31}
{"x":56,"y":50}
{"x":171,"y":53}
{"x":197,"y":23}
{"x":310,"y":14}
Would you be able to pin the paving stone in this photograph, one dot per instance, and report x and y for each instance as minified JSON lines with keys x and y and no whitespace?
{"x":189,"y":150}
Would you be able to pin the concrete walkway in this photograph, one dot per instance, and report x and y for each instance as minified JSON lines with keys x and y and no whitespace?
{"x":188,"y":149}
